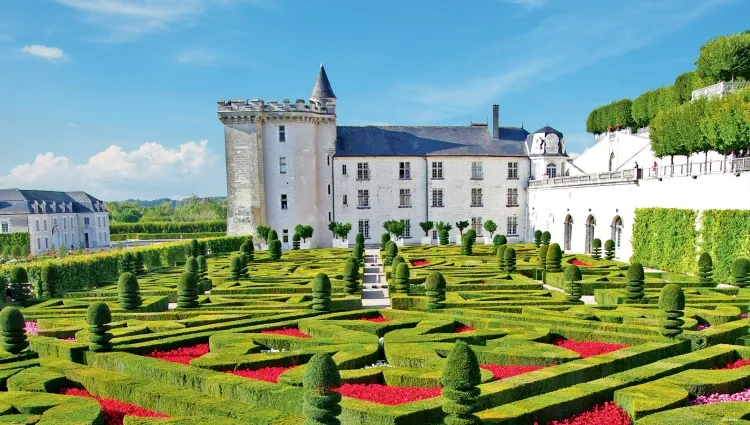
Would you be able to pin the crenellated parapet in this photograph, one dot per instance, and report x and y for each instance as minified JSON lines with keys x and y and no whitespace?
{"x":257,"y":111}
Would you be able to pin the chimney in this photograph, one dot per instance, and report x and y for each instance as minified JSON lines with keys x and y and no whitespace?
{"x":495,"y":121}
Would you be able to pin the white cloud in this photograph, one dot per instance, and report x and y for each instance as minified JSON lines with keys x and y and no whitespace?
{"x":114,"y":173}
{"x":528,"y":4}
{"x":44,"y":52}
{"x":71,"y":125}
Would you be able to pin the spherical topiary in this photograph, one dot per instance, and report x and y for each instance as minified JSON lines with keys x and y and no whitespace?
{"x":435,"y":290}
{"x":359,"y":252}
{"x":187,"y":291}
{"x":13,"y":327}
{"x":321,"y":292}
{"x":138,"y":263}
{"x":98,"y":317}
{"x":390,"y":253}
{"x":461,"y":377}
{"x":546,"y":238}
{"x":467,"y":243}
{"x":192,"y":266}
{"x":195,"y":248}
{"x":49,"y":280}
{"x":741,"y":272}
{"x":235,"y":267}
{"x":384,"y":239}
{"x":321,"y":402}
{"x":705,"y":268}
{"x":500,"y":255}
{"x":635,"y":286}
{"x":572,"y":277}
{"x":296,"y":241}
{"x":127,"y":263}
{"x":18,"y":275}
{"x":402,"y":278}
{"x":671,"y":302}
{"x":554,"y":258}
{"x":443,"y":237}
{"x":128,"y":291}
{"x":359,"y":239}
{"x":272,"y":236}
{"x":509,"y":260}
{"x":542,"y":256}
{"x":609,"y":249}
{"x":537,"y":238}
{"x":274,"y":250}
{"x":351,"y":275}
{"x":596,"y":248}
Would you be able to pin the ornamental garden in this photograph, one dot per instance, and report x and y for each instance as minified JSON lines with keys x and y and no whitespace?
{"x":216,"y":331}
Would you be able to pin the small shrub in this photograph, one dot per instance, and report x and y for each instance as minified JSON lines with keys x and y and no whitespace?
{"x":635,"y":285}
{"x":741,"y":272}
{"x":572,"y":277}
{"x":402,"y":278}
{"x":705,"y":268}
{"x":274,"y":250}
{"x":321,"y":292}
{"x":272,"y":236}
{"x":461,"y":379}
{"x":501,"y":256}
{"x":596,"y":248}
{"x":435,"y":290}
{"x":195,"y":248}
{"x":546,"y":238}
{"x":128,"y":291}
{"x":247,"y":250}
{"x":509,"y":260}
{"x":443,"y":237}
{"x":192,"y":266}
{"x":609,"y":249}
{"x":187,"y":290}
{"x":49,"y":280}
{"x":542,"y":256}
{"x":396,"y":261}
{"x":391,"y":252}
{"x":672,"y":303}
{"x":13,"y":329}
{"x":127,"y":263}
{"x":467,"y":243}
{"x":138,"y":264}
{"x":321,"y":401}
{"x":360,"y":239}
{"x":351,"y":275}
{"x":359,"y":252}
{"x":296,"y":240}
{"x":202,"y":270}
{"x":554,"y":258}
{"x":235,"y":267}
{"x":18,"y":274}
{"x":497,"y":241}
{"x":537,"y":238}
{"x":98,"y":317}
{"x":384,"y":239}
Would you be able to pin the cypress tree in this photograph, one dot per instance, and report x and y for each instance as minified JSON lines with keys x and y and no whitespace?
{"x":467,"y":244}
{"x":391,"y":252}
{"x":128,"y":291}
{"x":127,"y":264}
{"x":572,"y":277}
{"x":138,"y":263}
{"x":443,"y":237}
{"x":509,"y":260}
{"x":187,"y":291}
{"x":384,"y":239}
{"x":501,"y":256}
{"x":274,"y":250}
{"x":542,"y":256}
{"x":195,"y":248}
{"x":98,"y":317}
{"x":321,"y":292}
{"x":635,"y":286}
{"x":596,"y":248}
{"x":13,"y":327}
{"x":537,"y":238}
{"x":49,"y":280}
{"x":402,"y":278}
{"x":705,"y":268}
{"x":546,"y":238}
{"x":741,"y":272}
{"x":321,"y":402}
{"x":461,"y":377}
{"x":351,"y":275}
{"x":609,"y":249}
{"x":359,"y":252}
{"x":435,"y":290}
{"x":296,"y":241}
{"x":360,"y":239}
{"x":554,"y":258}
{"x":235,"y":267}
{"x":671,"y":302}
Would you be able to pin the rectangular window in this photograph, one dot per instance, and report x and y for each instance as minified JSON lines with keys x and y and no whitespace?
{"x":434,"y":235}
{"x":329,"y":189}
{"x":437,"y":197}
{"x":284,"y":203}
{"x":282,"y":133}
{"x":54,"y":221}
{"x":512,"y":197}
{"x":343,"y":169}
{"x":46,"y":243}
{"x":282,"y":165}
{"x":476,"y":197}
{"x":328,"y":160}
{"x":85,"y":222}
{"x":65,"y":223}
{"x":476,"y":224}
{"x":285,"y":236}
{"x":363,"y":171}
{"x":45,"y":224}
{"x":407,"y":228}
{"x":329,"y":217}
{"x":404,"y":170}
{"x":404,"y":198}
{"x":364,"y":228}
{"x":512,"y":226}
{"x":512,"y":171}
{"x":37,"y":225}
{"x":363,"y":198}
{"x":4,"y":227}
{"x":39,"y":244}
{"x":437,"y":170}
{"x":345,"y":200}
{"x":65,"y":238}
{"x":476,"y":171}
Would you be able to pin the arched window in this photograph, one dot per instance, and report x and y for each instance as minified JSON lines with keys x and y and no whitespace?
{"x":551,"y":171}
{"x":590,"y":225}
{"x":568,"y":233}
{"x":617,"y":232}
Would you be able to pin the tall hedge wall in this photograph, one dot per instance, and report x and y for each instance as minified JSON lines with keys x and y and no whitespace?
{"x":725,"y":235}
{"x":169,"y":227}
{"x":665,"y":238}
{"x":150,"y":236}
{"x":14,"y":239}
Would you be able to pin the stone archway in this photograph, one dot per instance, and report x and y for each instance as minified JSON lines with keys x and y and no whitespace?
{"x":55,"y":237}
{"x":567,"y":232}
{"x":590,"y":226}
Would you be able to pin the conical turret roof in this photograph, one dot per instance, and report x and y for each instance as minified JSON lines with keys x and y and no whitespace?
{"x":322,"y":89}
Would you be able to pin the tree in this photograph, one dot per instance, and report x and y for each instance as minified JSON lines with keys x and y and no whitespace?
{"x":321,"y":401}
{"x":13,"y":327}
{"x":725,"y":126}
{"x":509,"y":260}
{"x":461,"y":225}
{"x":304,"y":232}
{"x":490,"y":226}
{"x":49,"y":280}
{"x":262,"y":232}
{"x":572,"y":277}
{"x":187,"y":290}
{"x":402,"y":278}
{"x":321,"y":293}
{"x":461,"y":379}
{"x":351,"y":275}
{"x":272,"y":236}
{"x":467,"y":244}
{"x":128,"y":291}
{"x":435,"y":290}
{"x":741,"y":272}
{"x":676,"y":130}
{"x":359,"y":252}
{"x":501,"y":256}
{"x":705,"y":268}
{"x":360,"y":239}
{"x":685,"y":83}
{"x":725,"y":58}
{"x":398,"y":229}
{"x":127,"y":263}
{"x":441,"y":225}
{"x":426,"y":227}
{"x":98,"y":317}
{"x":274,"y":250}
{"x":596,"y":248}
{"x":609,"y":249}
{"x":195,"y":248}
{"x":672,"y":302}
{"x":341,"y":230}
{"x":546,"y":237}
{"x":537,"y":238}
{"x":384,"y":239}
{"x":635,"y":286}
{"x":554,"y":258}
{"x":138,"y":263}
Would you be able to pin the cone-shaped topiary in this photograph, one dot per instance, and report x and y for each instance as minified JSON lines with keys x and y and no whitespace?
{"x":351,"y":275}
{"x":203,"y":273}
{"x":272,"y":236}
{"x":572,"y":277}
{"x":546,"y":238}
{"x":13,"y":327}
{"x":635,"y":286}
{"x":321,"y":402}
{"x":127,"y":263}
{"x":705,"y":268}
{"x":128,"y":291}
{"x":98,"y":317}
{"x":554,"y":258}
{"x":187,"y":291}
{"x":542,"y":256}
{"x":671,"y":302}
{"x":537,"y":238}
{"x":741,"y":272}
{"x":296,"y":241}
{"x":501,"y":256}
{"x":274,"y":250}
{"x":402,"y":278}
{"x":49,"y":280}
{"x":321,"y":292}
{"x":509,"y":260}
{"x":192,"y":266}
{"x":384,"y":239}
{"x":235,"y":267}
{"x":461,"y":377}
{"x":467,"y":243}
{"x":443,"y":237}
{"x":359,"y":252}
{"x":609,"y":249}
{"x":435,"y":290}
{"x":138,"y":264}
{"x":596,"y":248}
{"x":390,"y":253}
{"x":195,"y":248}
{"x":359,"y":239}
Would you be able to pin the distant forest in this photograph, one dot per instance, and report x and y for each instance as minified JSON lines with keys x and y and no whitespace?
{"x":186,"y":210}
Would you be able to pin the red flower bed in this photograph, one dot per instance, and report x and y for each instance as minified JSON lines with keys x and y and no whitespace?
{"x":463,"y":328}
{"x":417,"y":263}
{"x":379,"y":319}
{"x":606,"y":414}
{"x":588,"y":348}
{"x":390,"y":396}
{"x":737,"y":364}
{"x":181,"y":355}
{"x":501,"y":371}
{"x":579,"y":263}
{"x":288,"y":332}
{"x":114,"y":410}
{"x":268,"y":374}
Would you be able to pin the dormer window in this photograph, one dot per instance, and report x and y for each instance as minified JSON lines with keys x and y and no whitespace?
{"x":44,"y":206}
{"x":35,"y":205}
{"x":53,"y":206}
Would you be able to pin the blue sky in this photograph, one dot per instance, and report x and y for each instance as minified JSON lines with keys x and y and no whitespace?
{"x":118,"y":97}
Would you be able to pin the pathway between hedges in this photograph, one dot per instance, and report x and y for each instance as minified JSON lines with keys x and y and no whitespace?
{"x":587,"y":299}
{"x":374,"y":284}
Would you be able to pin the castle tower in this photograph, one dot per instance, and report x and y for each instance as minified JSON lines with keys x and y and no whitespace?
{"x":547,"y":153}
{"x":279,"y":163}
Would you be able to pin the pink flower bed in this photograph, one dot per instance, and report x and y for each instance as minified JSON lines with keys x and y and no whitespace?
{"x":720,"y":398}
{"x":502,"y":371}
{"x":588,"y":348}
{"x":114,"y":411}
{"x":418,"y":263}
{"x":738,"y":363}
{"x":33,"y":329}
{"x":701,"y":327}
{"x":287,"y":332}
{"x":379,"y":319}
{"x":181,"y":355}
{"x":268,"y":374}
{"x":743,"y":315}
{"x":463,"y":328}
{"x":579,"y":263}
{"x":605,"y":414}
{"x":390,"y":396}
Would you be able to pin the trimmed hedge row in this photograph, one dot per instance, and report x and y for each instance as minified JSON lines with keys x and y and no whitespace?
{"x":665,"y":238}
{"x":150,"y":236}
{"x":169,"y":227}
{"x":19,"y":239}
{"x":725,"y":235}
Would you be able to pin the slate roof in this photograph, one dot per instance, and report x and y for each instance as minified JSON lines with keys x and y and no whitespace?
{"x":17,"y":201}
{"x":322,"y":87}
{"x":547,"y":130}
{"x":429,"y":141}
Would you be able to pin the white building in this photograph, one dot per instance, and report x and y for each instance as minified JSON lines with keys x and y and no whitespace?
{"x":54,"y":219}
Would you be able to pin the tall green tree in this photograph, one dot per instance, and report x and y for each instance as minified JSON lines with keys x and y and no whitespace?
{"x":725,"y":58}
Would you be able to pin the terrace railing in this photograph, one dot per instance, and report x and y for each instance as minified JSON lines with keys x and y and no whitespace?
{"x":719,"y":89}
